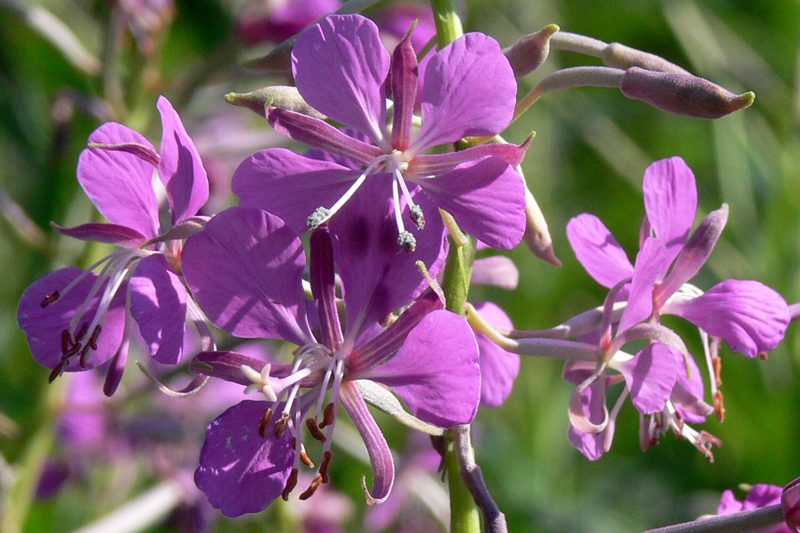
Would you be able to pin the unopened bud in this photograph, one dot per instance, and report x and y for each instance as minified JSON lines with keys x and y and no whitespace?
{"x":790,"y":504}
{"x":279,"y":96}
{"x":620,"y":56}
{"x":530,"y":51}
{"x":682,"y":94}
{"x":537,"y":235}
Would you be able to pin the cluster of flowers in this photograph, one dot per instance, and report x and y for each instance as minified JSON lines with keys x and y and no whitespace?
{"x":359,"y":189}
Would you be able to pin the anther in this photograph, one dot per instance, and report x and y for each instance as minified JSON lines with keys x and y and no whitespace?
{"x":95,"y":336}
{"x":407,"y":241}
{"x":719,"y":408}
{"x":85,"y":353}
{"x":57,"y":371}
{"x":327,"y":416}
{"x":315,"y":483}
{"x":264,"y":422}
{"x":417,"y":216}
{"x":320,"y":215}
{"x":763,"y":356}
{"x":82,"y":331}
{"x":716,"y":362}
{"x":291,"y":483}
{"x":50,"y":298}
{"x":314,"y":430}
{"x":323,"y":468}
{"x":75,"y":348}
{"x":306,"y":459}
{"x":66,"y":341}
{"x":281,"y":426}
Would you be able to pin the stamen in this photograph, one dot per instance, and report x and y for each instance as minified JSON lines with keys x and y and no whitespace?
{"x":407,"y":241}
{"x":50,"y":298}
{"x":320,"y":215}
{"x":57,"y":371}
{"x":311,"y":424}
{"x":415,"y":211}
{"x":323,"y":468}
{"x":716,"y":362}
{"x":306,"y":459}
{"x":95,"y":336}
{"x":719,"y":407}
{"x":417,"y":216}
{"x":264,"y":422}
{"x":66,"y":341}
{"x":291,"y":483}
{"x":315,"y":483}
{"x":281,"y":425}
{"x":328,"y":416}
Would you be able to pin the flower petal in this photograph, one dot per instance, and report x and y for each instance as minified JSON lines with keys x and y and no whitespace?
{"x":592,"y":400}
{"x":499,"y":368}
{"x":290,"y":185}
{"x":339,"y":67}
{"x":158,"y":304}
{"x":245,"y":270}
{"x":458,"y":81}
{"x":750,"y":316}
{"x":240,"y":471}
{"x":43,"y":326}
{"x":486,"y":197}
{"x":380,"y":456}
{"x":422,"y":371}
{"x":670,"y":199}
{"x":650,"y":377}
{"x":377,"y":277}
{"x":119,"y":182}
{"x":598,"y":251}
{"x":497,"y":270}
{"x":648,"y":268}
{"x":687,"y":394}
{"x":180,"y":168}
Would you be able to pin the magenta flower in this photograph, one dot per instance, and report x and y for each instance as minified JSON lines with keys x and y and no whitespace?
{"x":760,"y":495}
{"x":342,"y":69}
{"x":246,"y":270}
{"x":75,"y":319}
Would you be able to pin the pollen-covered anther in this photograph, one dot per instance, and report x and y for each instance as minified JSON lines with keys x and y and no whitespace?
{"x":323,"y":468}
{"x":327,"y":416}
{"x":291,"y":483}
{"x":315,"y":483}
{"x":719,"y":408}
{"x":417,"y":216}
{"x":311,"y":424}
{"x":264,"y":422}
{"x":306,"y":459}
{"x":281,"y":425}
{"x":762,"y":356}
{"x":50,"y":298}
{"x":320,"y":215}
{"x":716,"y":362}
{"x":407,"y":241}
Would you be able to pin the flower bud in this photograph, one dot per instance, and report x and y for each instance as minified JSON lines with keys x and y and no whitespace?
{"x":280,"y":96}
{"x":530,"y":51}
{"x":620,"y":56}
{"x":682,"y":94}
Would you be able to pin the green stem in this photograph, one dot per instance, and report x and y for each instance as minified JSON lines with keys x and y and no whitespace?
{"x":741,"y":522}
{"x":464,"y":514}
{"x":448,"y":21}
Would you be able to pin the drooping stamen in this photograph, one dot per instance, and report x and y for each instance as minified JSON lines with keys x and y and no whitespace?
{"x":264,"y":422}
{"x":328,"y":416}
{"x":407,"y":241}
{"x":415,"y":211}
{"x":314,"y":430}
{"x":281,"y":426}
{"x":417,"y":216}
{"x":291,"y":483}
{"x":305,"y":458}
{"x":57,"y":371}
{"x":323,"y":468}
{"x":315,"y":483}
{"x":719,"y":407}
{"x":317,"y":220}
{"x":50,"y":298}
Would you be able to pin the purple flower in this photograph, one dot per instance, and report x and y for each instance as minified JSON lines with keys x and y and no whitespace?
{"x":75,"y":319}
{"x":759,"y":496}
{"x":246,"y":271}
{"x":499,"y":368}
{"x":261,"y":20}
{"x":342,"y":69}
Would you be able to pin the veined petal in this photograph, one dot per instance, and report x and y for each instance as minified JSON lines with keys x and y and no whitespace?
{"x":649,"y":266}
{"x":321,"y":135}
{"x":422,"y":373}
{"x":750,"y":316}
{"x":245,"y":270}
{"x":339,"y":67}
{"x":687,"y":394}
{"x":158,"y":304}
{"x":486,"y":197}
{"x":651,"y":376}
{"x":119,"y":182}
{"x":592,"y":399}
{"x":290,"y":185}
{"x":670,"y":199}
{"x":435,"y":164}
{"x":240,"y":471}
{"x":43,"y":326}
{"x":460,"y":80}
{"x":497,"y":270}
{"x":377,"y":277}
{"x":499,"y":368}
{"x":598,"y":251}
{"x":102,"y":232}
{"x":181,"y":169}
{"x":380,"y":456}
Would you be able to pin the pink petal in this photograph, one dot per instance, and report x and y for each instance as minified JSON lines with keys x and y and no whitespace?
{"x":651,"y":376}
{"x":598,"y":251}
{"x":499,"y":368}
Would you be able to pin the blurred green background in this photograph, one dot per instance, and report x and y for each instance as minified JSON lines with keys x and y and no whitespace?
{"x":589,"y":155}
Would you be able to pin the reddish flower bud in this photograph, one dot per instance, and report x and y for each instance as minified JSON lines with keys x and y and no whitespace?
{"x":530,"y":51}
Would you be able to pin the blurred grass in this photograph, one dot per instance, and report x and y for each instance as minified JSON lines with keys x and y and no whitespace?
{"x":589,"y":155}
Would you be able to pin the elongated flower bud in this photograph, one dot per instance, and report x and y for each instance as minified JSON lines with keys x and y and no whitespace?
{"x":621,"y":56}
{"x":682,"y":94}
{"x":280,"y":96}
{"x":530,"y":51}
